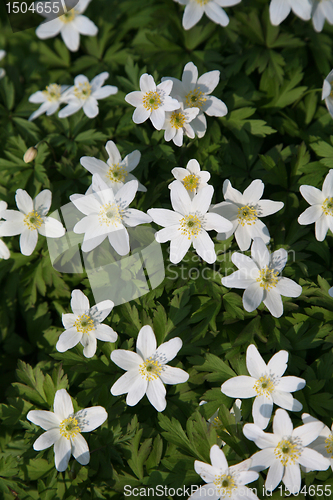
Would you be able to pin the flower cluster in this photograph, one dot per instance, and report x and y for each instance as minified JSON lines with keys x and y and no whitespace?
{"x":83,"y":94}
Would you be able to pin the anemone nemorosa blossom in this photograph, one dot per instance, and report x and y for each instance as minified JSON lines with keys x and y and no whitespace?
{"x":280,"y":9}
{"x":49,"y":99}
{"x":195,"y":9}
{"x":321,"y":10}
{"x":192,"y":178}
{"x":267,"y":384}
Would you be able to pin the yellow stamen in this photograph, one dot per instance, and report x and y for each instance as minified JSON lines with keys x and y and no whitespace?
{"x":329,"y":445}
{"x":264,"y":386}
{"x":268,"y":278}
{"x":84,"y":323}
{"x":69,"y":427}
{"x":82,"y":90}
{"x":288,"y":450}
{"x":151,"y":100}
{"x":247,"y":215}
{"x":109,"y":214}
{"x":328,"y":206}
{"x":191,"y":182}
{"x":52,"y":92}
{"x":225,"y":484}
{"x":150,"y":369}
{"x":68,"y":16}
{"x":195,"y":98}
{"x":177,"y":119}
{"x":117,"y":173}
{"x":33,"y":220}
{"x":190,"y":225}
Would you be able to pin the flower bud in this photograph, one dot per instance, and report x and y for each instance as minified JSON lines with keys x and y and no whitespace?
{"x":30,"y":154}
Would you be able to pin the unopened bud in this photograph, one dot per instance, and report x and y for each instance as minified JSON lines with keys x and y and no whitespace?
{"x":30,"y":154}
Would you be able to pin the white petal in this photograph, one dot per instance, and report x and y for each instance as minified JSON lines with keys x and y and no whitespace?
{"x":178,"y":248}
{"x":119,"y":240}
{"x":254,"y":192}
{"x":261,"y":438}
{"x":312,"y":195}
{"x":288,"y":288}
{"x":231,"y":194}
{"x":24,"y":201}
{"x":204,"y":247}
{"x":137,"y":390}
{"x":310,"y":215}
{"x":68,"y":339}
{"x":79,"y":303}
{"x":262,"y":411}
{"x":71,"y":37}
{"x":28,"y":241}
{"x":255,"y":365}
{"x":84,"y":26}
{"x":292,"y":477}
{"x":125,"y":382}
{"x":91,"y":418}
{"x":264,"y":458}
{"x":49,"y":29}
{"x":243,"y":237}
{"x":105,"y":333}
{"x":127,"y":360}
{"x":308,"y":432}
{"x":208,"y":81}
{"x":206,"y":471}
{"x":62,"y":453}
{"x":147,"y":83}
{"x":45,"y":419}
{"x":217,"y":458}
{"x":192,"y":14}
{"x":146,"y":342}
{"x":140,"y":114}
{"x":164,"y":217}
{"x":286,"y":401}
{"x":216,"y":14}
{"x":90,"y":107}
{"x":134,"y":217}
{"x":245,"y":263}
{"x":4,"y":252}
{"x":274,"y":475}
{"x":238,"y":279}
{"x":70,"y":109}
{"x":156,"y":394}
{"x":135,"y":99}
{"x":169,"y":350}
{"x":172,"y":375}
{"x":291,"y":384}
{"x":51,"y":228}
{"x":258,"y":230}
{"x":260,"y":253}
{"x":14,"y":225}
{"x":89,"y":345}
{"x":63,"y":406}
{"x":268,"y":207}
{"x":252,"y":297}
{"x":328,"y":185}
{"x":278,"y":11}
{"x":278,"y":363}
{"x":47,"y":439}
{"x":190,"y":74}
{"x":239,"y":387}
{"x":302,"y":9}
{"x":167,"y":234}
{"x":201,"y":201}
{"x":273,"y":302}
{"x":131,"y":161}
{"x":113,"y":152}
{"x":279,"y":259}
{"x":80,"y":449}
{"x":126,"y":193}
{"x":321,"y":227}
{"x":42,"y":202}
{"x":157,"y":118}
{"x":313,"y":459}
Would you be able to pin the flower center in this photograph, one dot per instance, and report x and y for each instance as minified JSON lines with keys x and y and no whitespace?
{"x":190,"y":225}
{"x":69,"y":427}
{"x":150,"y":369}
{"x":196,"y":97}
{"x":151,"y":100}
{"x":247,"y":215}
{"x":268,"y":278}
{"x":191,"y":182}
{"x":288,"y":450}
{"x":68,"y":16}
{"x":109,"y":214}
{"x":264,"y":386}
{"x":52,"y":92}
{"x":33,"y":220}
{"x":225,"y":484}
{"x":328,"y":206}
{"x":177,"y":119}
{"x":84,"y":323}
{"x":116,"y":173}
{"x":82,"y":90}
{"x":329,"y":445}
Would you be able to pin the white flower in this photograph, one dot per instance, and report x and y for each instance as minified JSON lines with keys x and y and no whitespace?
{"x":280,"y":9}
{"x":321,"y":210}
{"x":177,"y":123}
{"x":224,"y":481}
{"x":4,"y":252}
{"x":146,"y":370}
{"x":284,"y":450}
{"x":85,"y":95}
{"x":195,"y":92}
{"x":107,"y":215}
{"x":244,"y":211}
{"x":324,"y":442}
{"x":259,"y":276}
{"x":115,"y":172}
{"x":51,"y":98}
{"x":85,"y":325}
{"x":70,"y":25}
{"x":30,"y":220}
{"x":152,"y":101}
{"x":195,"y":9}
{"x":63,"y":429}
{"x":188,"y":223}
{"x":2,"y":71}
{"x":192,"y":178}
{"x":216,"y":423}
{"x":266,"y":384}
{"x":327,"y":92}
{"x":321,"y":10}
